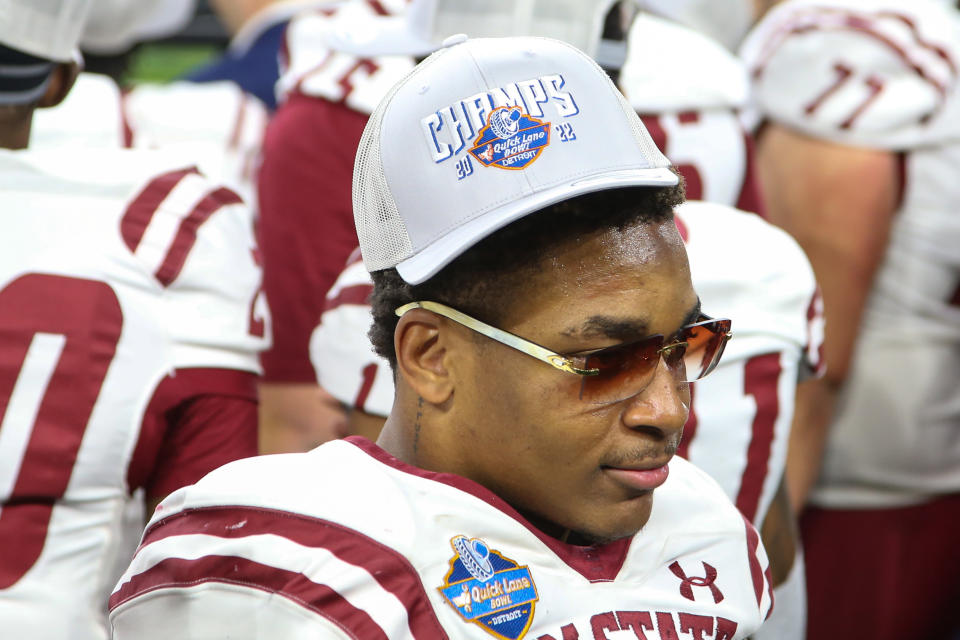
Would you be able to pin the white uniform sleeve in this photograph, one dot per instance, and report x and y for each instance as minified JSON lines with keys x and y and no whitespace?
{"x":741,"y":414}
{"x":219,"y":610}
{"x":862,"y":73}
{"x":217,"y":122}
{"x":215,"y":564}
{"x":701,"y":75}
{"x":341,"y":353}
{"x":199,"y":246}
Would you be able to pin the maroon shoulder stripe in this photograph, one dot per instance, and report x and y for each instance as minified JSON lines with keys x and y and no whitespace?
{"x":389,"y":568}
{"x":319,"y":598}
{"x":756,"y":573}
{"x":187,"y":233}
{"x":140,"y":211}
{"x":378,"y":8}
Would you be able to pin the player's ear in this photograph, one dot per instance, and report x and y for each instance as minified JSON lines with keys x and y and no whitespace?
{"x":421,"y":354}
{"x":62,"y":77}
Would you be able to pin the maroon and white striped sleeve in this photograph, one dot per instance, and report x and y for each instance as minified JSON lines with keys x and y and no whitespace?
{"x":245,"y":572}
{"x":873,"y":76}
{"x":760,"y":575}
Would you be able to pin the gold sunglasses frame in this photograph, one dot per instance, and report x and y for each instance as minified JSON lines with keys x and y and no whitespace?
{"x":555,"y":360}
{"x":543,"y":354}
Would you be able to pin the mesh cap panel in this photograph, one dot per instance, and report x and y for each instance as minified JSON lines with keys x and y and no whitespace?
{"x":384,"y":240}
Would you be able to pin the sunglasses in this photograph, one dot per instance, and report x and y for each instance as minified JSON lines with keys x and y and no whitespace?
{"x":621,"y":371}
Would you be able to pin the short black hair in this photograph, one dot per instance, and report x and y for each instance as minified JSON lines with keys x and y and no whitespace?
{"x":480,"y":281}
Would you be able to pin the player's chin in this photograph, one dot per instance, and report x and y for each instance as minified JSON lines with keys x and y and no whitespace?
{"x":616,"y":519}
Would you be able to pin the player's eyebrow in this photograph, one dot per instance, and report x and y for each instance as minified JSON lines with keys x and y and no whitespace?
{"x":622,"y":329}
{"x":600,"y":326}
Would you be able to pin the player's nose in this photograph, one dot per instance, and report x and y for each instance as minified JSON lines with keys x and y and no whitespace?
{"x":662,"y":406}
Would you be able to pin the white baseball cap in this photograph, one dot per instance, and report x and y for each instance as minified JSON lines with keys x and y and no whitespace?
{"x":427,"y":23}
{"x":48,"y":29}
{"x":482,"y":133}
{"x":114,"y":26}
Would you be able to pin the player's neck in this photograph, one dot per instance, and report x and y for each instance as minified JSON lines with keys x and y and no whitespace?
{"x":15,"y":122}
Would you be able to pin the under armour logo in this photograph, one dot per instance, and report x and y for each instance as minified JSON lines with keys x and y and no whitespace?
{"x":686,"y":587}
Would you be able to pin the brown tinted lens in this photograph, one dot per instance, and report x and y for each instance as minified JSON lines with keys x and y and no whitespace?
{"x":624,"y":370}
{"x":705,"y":342}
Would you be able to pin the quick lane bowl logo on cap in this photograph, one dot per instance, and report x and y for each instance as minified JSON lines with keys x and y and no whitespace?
{"x":511,"y":139}
{"x":489,"y":589}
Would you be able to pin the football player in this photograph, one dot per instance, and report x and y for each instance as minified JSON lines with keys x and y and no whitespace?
{"x":860,"y":103}
{"x":740,"y":417}
{"x":542,"y":325}
{"x":331,"y":84}
{"x":131,"y":324}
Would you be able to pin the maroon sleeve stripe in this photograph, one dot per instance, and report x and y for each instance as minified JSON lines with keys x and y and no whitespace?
{"x":756,"y":573}
{"x":378,"y":8}
{"x":863,"y":23}
{"x":761,"y":380}
{"x":389,"y":568}
{"x":187,"y":233}
{"x":938,"y":50}
{"x":319,"y":598}
{"x":141,"y":209}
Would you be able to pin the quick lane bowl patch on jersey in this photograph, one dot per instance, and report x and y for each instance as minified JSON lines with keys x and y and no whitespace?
{"x":511,"y":139}
{"x":489,"y":589}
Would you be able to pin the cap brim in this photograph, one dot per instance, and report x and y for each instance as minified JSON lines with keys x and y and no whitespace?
{"x":435,"y":256}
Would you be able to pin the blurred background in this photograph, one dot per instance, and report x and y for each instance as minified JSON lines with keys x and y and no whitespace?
{"x":162,"y":60}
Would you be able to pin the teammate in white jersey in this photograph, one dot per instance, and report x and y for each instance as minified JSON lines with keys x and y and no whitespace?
{"x":513,"y":491}
{"x":129,"y":332}
{"x":861,"y":103}
{"x":690,"y":107}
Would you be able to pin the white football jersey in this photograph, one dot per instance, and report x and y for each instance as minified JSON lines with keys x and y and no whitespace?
{"x":883,"y":74}
{"x":91,"y":116}
{"x":255,"y":550}
{"x":215,"y":123}
{"x":340,"y":351}
{"x":689,"y":104}
{"x":746,"y":269}
{"x":115,"y":279}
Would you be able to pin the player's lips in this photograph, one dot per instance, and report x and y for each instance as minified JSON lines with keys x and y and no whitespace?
{"x":643,"y":479}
